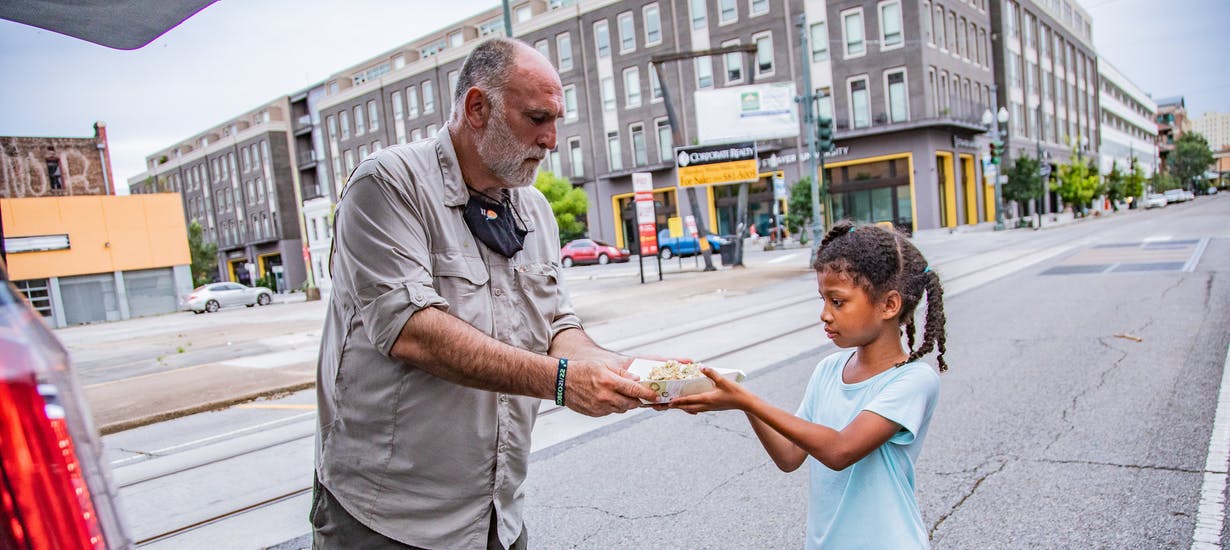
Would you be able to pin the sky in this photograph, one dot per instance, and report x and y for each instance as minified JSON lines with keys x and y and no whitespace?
{"x":238,"y":54}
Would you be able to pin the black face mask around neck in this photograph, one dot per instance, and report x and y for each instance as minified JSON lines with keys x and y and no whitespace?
{"x":495,"y":225}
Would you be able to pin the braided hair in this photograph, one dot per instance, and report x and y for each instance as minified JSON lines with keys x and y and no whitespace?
{"x":881,"y":260}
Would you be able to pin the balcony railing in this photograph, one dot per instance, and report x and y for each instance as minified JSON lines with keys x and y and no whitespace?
{"x":966,"y":114}
{"x":303,"y":122}
{"x":307,"y":157}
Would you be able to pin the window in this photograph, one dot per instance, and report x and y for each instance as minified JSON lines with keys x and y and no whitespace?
{"x":666,"y":149}
{"x":432,"y":129}
{"x":938,"y":20}
{"x":543,"y":48}
{"x":523,"y":13}
{"x":575,"y":157}
{"x":655,"y":87}
{"x":1010,"y":15}
{"x":734,"y":64}
{"x":758,"y":7}
{"x":700,"y":9}
{"x":860,"y":103}
{"x":982,"y":50}
{"x":926,"y":19}
{"x":704,"y":72}
{"x":399,"y":61}
{"x":416,"y":134}
{"x":890,"y":25}
{"x":349,"y":155}
{"x":614,"y":155}
{"x":362,"y":152}
{"x":398,"y":112}
{"x":965,"y":43}
{"x":359,"y":126}
{"x":852,"y":22}
{"x":764,"y":54}
{"x":632,"y":87}
{"x":344,"y":118}
{"x":728,"y":11}
{"x":563,"y":51}
{"x":429,"y":97}
{"x":950,"y":30}
{"x":54,"y":175}
{"x":653,"y":25}
{"x":898,"y":96}
{"x":373,"y":118}
{"x":819,"y":42}
{"x":627,"y":32}
{"x":247,"y":159}
{"x":608,"y":94}
{"x":602,"y":39}
{"x":570,"y":102}
{"x":640,"y":157}
{"x":412,"y":101}
{"x":826,"y":102}
{"x":553,"y":159}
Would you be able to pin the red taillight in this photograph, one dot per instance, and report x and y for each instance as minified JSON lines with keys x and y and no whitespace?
{"x":43,"y":495}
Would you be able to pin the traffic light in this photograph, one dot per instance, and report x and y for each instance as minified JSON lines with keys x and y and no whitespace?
{"x":997,"y":152}
{"x":824,"y":134}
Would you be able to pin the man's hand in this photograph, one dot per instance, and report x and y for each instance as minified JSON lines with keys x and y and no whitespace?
{"x":600,"y":388}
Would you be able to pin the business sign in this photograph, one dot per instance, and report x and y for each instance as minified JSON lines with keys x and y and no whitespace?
{"x":714,"y":164}
{"x":754,"y":112}
{"x":36,"y":243}
{"x":646,"y":217}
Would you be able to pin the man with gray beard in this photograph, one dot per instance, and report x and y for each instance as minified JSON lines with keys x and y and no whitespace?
{"x":448,"y":324}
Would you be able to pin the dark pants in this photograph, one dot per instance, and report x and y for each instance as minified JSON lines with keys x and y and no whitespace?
{"x":334,"y":528}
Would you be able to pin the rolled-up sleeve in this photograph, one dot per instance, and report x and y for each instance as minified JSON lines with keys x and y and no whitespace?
{"x":381,"y":247}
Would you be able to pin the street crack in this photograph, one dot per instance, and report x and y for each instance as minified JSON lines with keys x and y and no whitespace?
{"x":1102,"y":376}
{"x":977,"y":483}
{"x":1150,"y":467}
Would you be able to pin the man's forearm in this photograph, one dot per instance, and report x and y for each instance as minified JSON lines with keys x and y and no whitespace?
{"x":449,"y":348}
{"x":574,"y":343}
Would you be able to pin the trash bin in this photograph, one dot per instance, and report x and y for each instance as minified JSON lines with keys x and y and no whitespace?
{"x":728,"y":250}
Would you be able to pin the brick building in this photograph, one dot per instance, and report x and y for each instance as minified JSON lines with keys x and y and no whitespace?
{"x":56,"y":166}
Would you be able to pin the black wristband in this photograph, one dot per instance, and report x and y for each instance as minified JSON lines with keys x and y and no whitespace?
{"x":559,"y":381}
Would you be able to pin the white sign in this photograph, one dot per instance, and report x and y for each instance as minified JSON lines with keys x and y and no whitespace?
{"x":745,"y":113}
{"x":642,"y":181}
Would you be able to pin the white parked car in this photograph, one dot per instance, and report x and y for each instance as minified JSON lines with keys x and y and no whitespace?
{"x":1156,"y":200}
{"x":1175,"y":195}
{"x":215,"y":296}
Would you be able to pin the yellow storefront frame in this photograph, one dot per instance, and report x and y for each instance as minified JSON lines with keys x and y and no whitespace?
{"x":260,"y":261}
{"x":618,"y":222}
{"x":950,"y":188}
{"x":988,"y":194}
{"x":971,"y":189}
{"x":230,"y":266}
{"x":909,"y":159}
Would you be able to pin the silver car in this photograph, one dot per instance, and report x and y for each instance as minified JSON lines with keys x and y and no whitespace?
{"x":215,"y":296}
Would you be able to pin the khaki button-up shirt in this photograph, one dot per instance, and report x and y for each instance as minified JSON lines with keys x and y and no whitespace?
{"x":414,"y":457}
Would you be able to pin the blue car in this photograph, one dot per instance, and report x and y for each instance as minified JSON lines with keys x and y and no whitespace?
{"x":687,"y":245}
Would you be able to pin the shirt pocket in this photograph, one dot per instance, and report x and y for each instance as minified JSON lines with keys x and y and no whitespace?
{"x":538,"y":289}
{"x":462,"y":280}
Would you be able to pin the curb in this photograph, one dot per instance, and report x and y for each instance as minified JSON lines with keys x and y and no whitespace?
{"x":162,"y":416}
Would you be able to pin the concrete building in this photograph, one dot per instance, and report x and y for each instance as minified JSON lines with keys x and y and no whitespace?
{"x":238,"y":180}
{"x":1046,"y":70}
{"x":1215,"y":127}
{"x":1128,"y":131}
{"x":85,"y":259}
{"x":56,"y":166}
{"x":1172,"y":123}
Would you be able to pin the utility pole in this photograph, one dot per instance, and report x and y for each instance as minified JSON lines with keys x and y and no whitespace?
{"x":677,"y":133}
{"x":816,"y":176}
{"x":507,"y":20}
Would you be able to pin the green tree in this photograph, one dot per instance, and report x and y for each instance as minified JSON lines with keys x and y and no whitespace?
{"x":1114,"y":185}
{"x":1025,"y":183}
{"x":204,"y":256}
{"x":567,"y":202}
{"x":1078,"y":181}
{"x":1190,"y":159}
{"x":1134,"y":182}
{"x":799,"y":205}
{"x":1161,"y":182}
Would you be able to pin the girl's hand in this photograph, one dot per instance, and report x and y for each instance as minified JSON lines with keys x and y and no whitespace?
{"x":726,"y":395}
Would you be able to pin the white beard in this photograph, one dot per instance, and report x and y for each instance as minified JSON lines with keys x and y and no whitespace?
{"x":502,"y":153}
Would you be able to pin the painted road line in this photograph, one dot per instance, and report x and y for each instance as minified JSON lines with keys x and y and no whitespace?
{"x":783,"y":258}
{"x":1195,"y":259}
{"x":1212,"y":511}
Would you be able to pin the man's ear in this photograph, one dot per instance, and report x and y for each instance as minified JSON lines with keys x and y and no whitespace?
{"x":477,"y":108}
{"x":891,"y":305}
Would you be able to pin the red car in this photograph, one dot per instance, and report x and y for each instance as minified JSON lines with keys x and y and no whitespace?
{"x":589,"y":251}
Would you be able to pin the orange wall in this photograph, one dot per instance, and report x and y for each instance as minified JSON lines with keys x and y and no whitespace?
{"x":105,"y":234}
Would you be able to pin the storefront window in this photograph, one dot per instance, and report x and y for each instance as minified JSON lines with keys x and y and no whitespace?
{"x":873,"y":192}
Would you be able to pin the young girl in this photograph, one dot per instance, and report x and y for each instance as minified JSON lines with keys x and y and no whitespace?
{"x":865,"y":413}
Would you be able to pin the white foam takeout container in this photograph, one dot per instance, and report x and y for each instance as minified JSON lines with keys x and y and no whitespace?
{"x":670,"y":389}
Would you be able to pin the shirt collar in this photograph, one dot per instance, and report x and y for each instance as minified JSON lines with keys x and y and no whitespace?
{"x":455,"y":192}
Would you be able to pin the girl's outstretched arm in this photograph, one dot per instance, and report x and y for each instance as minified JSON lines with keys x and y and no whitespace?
{"x":788,"y":438}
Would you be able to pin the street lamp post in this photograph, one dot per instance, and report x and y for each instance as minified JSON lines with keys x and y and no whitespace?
{"x":993,"y":122}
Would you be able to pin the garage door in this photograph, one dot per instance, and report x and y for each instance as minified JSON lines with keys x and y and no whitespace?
{"x":89,"y":299}
{"x":150,"y":292}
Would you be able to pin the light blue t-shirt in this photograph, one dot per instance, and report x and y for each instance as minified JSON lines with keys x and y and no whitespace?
{"x":870,"y":504}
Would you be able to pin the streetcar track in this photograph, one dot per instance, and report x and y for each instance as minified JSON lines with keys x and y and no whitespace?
{"x":220,"y":517}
